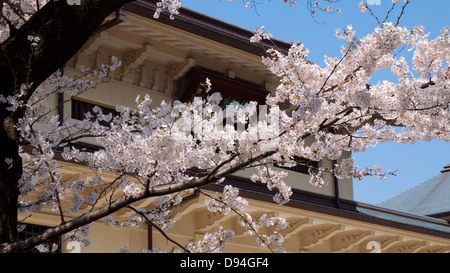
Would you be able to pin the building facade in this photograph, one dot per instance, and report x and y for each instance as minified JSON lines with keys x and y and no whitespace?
{"x":168,"y":60}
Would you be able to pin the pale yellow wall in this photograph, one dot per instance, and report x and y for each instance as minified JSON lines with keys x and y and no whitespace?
{"x":106,"y":239}
{"x":103,"y":239}
{"x":300,"y":181}
{"x":309,"y":231}
{"x":115,"y":93}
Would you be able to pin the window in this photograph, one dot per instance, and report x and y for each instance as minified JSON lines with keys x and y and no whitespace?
{"x":33,"y":230}
{"x":231,"y":89}
{"x":302,"y":166}
{"x":80,"y":108}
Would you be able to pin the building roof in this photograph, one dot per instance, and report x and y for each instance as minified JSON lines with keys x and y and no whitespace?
{"x":429,"y":198}
{"x":348,"y":209}
{"x":206,"y":26}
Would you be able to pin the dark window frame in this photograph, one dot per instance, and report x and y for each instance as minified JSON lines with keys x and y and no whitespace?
{"x":303,"y":165}
{"x":32,"y":230}
{"x":79,"y":108}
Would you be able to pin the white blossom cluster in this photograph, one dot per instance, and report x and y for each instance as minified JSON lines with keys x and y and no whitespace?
{"x":273,"y":180}
{"x":79,"y":235}
{"x":336,"y":96}
{"x":170,"y":6}
{"x":15,"y":13}
{"x":272,"y":241}
{"x":212,"y":242}
{"x":45,"y":248}
{"x":40,"y":169}
{"x":230,"y":201}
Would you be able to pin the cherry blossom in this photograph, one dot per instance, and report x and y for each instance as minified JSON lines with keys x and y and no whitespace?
{"x":170,"y":6}
{"x":212,"y":243}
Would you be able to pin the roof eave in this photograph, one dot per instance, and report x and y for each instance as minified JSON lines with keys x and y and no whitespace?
{"x":206,"y":26}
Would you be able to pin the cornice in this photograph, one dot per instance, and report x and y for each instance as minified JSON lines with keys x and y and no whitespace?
{"x":206,"y":26}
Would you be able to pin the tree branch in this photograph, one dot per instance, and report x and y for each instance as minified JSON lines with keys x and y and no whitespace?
{"x":114,"y":206}
{"x":163,"y":233}
{"x":242,"y":217}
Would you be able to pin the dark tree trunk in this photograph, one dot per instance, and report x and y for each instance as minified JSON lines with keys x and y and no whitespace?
{"x":9,"y":177}
{"x":63,"y":29}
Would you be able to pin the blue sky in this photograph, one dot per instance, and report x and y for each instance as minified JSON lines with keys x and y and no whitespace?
{"x":414,"y":163}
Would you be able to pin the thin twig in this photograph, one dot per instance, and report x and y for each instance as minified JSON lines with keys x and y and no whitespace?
{"x":158,"y":228}
{"x":334,"y":69}
{"x":389,"y":11}
{"x":241,"y":216}
{"x":373,"y":15}
{"x":402,"y":12}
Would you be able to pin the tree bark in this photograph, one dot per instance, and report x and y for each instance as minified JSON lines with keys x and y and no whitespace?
{"x":9,"y":176}
{"x":62,"y":29}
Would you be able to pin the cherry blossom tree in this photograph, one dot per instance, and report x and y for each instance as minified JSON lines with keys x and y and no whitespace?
{"x":172,"y":150}
{"x":23,"y":67}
